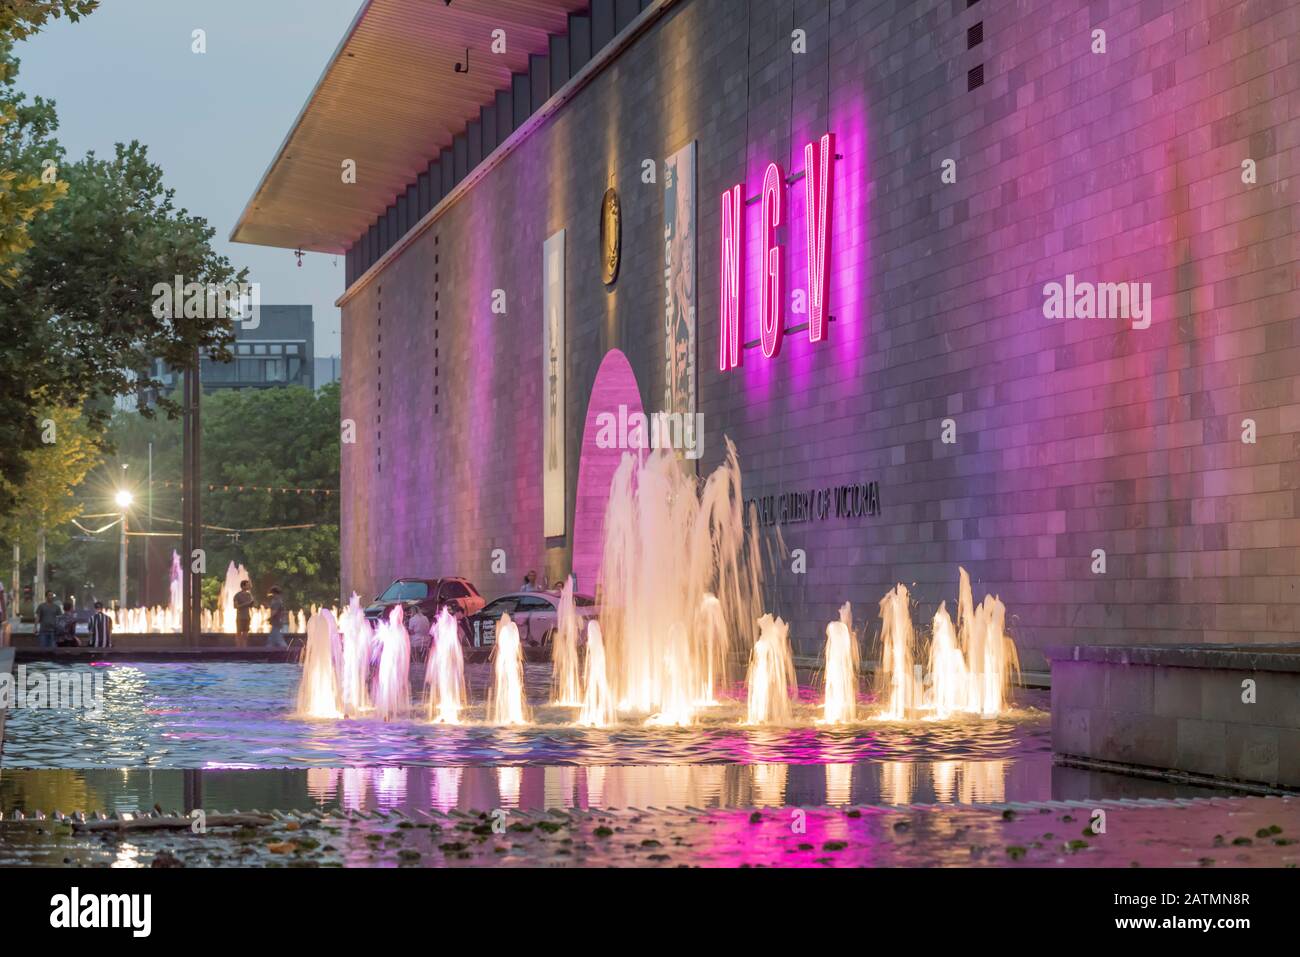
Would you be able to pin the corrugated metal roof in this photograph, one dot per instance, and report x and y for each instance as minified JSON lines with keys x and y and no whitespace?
{"x":390,"y":100}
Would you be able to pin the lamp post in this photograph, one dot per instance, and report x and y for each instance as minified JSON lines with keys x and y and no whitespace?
{"x":124,"y":498}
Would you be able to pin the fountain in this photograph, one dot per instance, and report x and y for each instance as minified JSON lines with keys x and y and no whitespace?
{"x":506,"y":703}
{"x":318,"y":691}
{"x":668,"y":544}
{"x":897,"y":683}
{"x":949,"y":678}
{"x":990,"y":655}
{"x":970,"y":672}
{"x":392,"y":693}
{"x":175,"y":587}
{"x":166,"y":619}
{"x":598,"y":705}
{"x":840,"y":671}
{"x":771,"y":678}
{"x":445,"y":673}
{"x":565,"y":664}
{"x":357,"y":637}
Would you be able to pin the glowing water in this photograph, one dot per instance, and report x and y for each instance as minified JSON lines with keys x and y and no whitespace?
{"x":506,"y":703}
{"x":970,"y":667}
{"x":565,"y":681}
{"x":771,"y":678}
{"x":669,"y":543}
{"x":897,"y":683}
{"x":318,"y":691}
{"x":840,"y":670}
{"x":175,"y":588}
{"x":598,"y":706}
{"x":445,"y":674}
{"x":991,"y":658}
{"x":357,"y":636}
{"x":949,"y":678}
{"x":392,"y":694}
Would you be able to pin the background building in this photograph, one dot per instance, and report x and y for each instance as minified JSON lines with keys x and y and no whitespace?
{"x":277,"y":352}
{"x":1100,"y":475}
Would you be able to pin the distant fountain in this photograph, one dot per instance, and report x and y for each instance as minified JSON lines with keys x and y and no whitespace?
{"x":392,"y":694}
{"x":318,"y":691}
{"x":771,"y":678}
{"x":566,"y":684}
{"x":175,"y":587}
{"x":897,"y":683}
{"x":599,"y":709}
{"x":445,"y":674}
{"x":506,"y":703}
{"x":225,"y":618}
{"x":670,"y":542}
{"x":840,"y":671}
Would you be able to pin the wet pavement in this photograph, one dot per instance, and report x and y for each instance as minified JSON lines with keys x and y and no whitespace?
{"x":1204,"y":833}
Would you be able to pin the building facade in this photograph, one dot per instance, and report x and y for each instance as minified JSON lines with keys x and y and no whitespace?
{"x":1032,"y":308}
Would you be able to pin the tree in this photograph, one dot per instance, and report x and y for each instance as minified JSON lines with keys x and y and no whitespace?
{"x":77,"y":318}
{"x":19,"y":19}
{"x":281,"y":438}
{"x":24,"y":193}
{"x":52,"y":473}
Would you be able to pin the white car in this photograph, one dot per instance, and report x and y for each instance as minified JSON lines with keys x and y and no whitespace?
{"x":534,"y":612}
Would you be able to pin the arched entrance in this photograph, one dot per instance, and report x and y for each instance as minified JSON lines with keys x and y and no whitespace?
{"x":615,"y":392}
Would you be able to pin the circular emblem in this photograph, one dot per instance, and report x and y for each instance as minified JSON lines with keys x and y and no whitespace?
{"x":611,"y":236}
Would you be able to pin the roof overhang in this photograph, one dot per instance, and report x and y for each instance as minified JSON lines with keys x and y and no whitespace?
{"x":390,"y":100}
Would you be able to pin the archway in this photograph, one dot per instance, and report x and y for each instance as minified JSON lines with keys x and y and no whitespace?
{"x":616,"y":393}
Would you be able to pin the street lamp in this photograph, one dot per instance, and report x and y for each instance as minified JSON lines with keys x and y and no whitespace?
{"x":124,"y":498}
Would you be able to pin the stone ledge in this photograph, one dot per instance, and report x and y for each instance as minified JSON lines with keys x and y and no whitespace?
{"x":1228,"y":657}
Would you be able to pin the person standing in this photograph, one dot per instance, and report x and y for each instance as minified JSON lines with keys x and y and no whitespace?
{"x":243,"y":612}
{"x":101,"y":628}
{"x":47,"y":621}
{"x":417,"y":626}
{"x":530,"y":581}
{"x":68,"y":627}
{"x":278,"y":615}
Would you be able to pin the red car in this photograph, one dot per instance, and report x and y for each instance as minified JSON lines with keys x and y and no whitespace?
{"x":430,"y":595}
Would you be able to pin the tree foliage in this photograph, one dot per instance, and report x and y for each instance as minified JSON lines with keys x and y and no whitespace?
{"x":55,"y":469}
{"x":77,"y":316}
{"x":19,"y":19}
{"x":279,"y":437}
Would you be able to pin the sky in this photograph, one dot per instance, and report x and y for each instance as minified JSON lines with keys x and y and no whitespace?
{"x":212,"y":121}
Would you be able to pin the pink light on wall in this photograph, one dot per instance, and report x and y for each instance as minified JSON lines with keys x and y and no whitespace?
{"x":771,"y":315}
{"x":733,"y":253}
{"x":818,"y":180}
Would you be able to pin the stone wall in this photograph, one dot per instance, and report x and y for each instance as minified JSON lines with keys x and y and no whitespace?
{"x":1223,"y":713}
{"x":1071,"y":435}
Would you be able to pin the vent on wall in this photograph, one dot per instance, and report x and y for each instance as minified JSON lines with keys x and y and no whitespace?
{"x":975,"y":78}
{"x":975,"y":35}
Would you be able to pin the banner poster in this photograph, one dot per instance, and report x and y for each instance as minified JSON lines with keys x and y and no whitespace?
{"x":553,"y":362}
{"x":679,"y":287}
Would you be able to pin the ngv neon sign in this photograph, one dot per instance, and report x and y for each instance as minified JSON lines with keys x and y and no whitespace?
{"x":819,"y":176}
